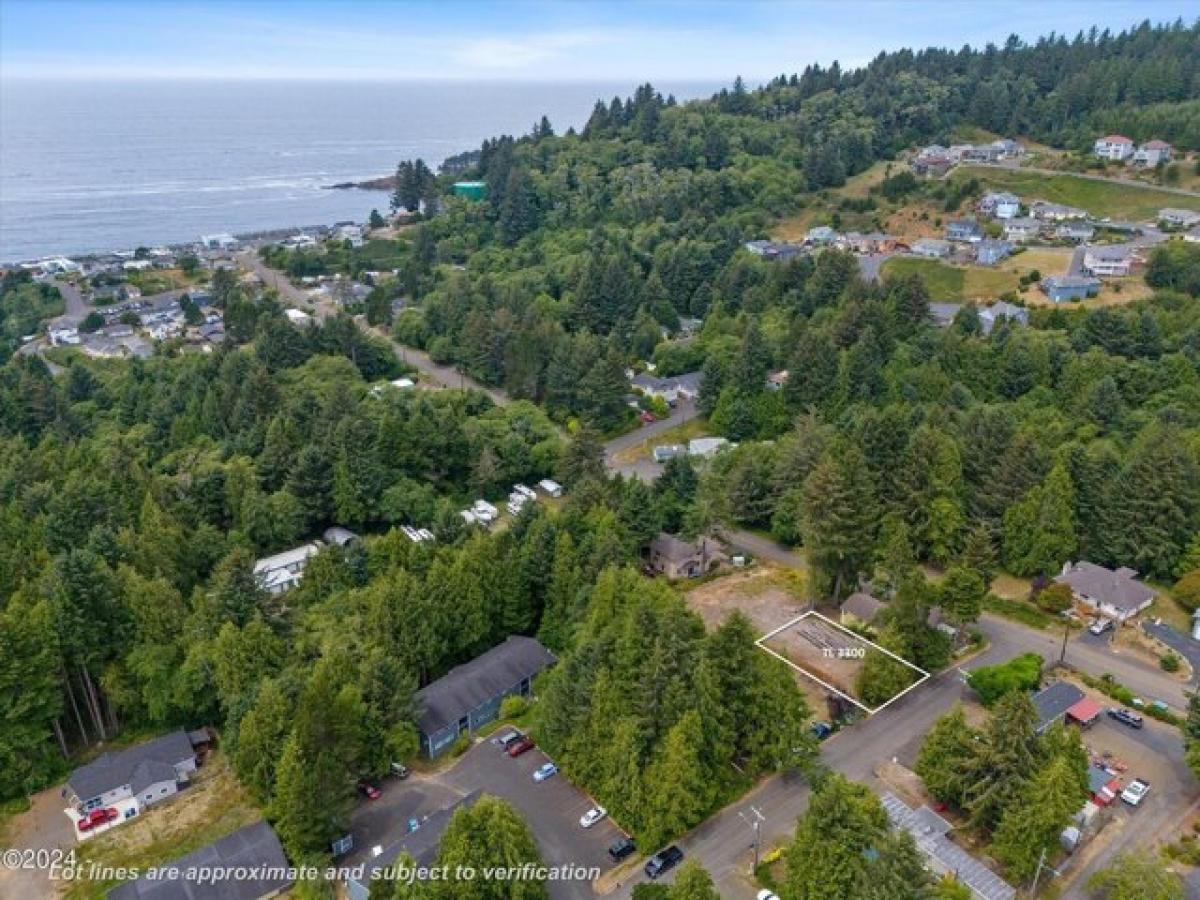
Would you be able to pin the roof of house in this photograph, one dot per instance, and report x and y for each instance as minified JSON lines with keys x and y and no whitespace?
{"x":1053,"y":702}
{"x":862,"y":606}
{"x":1001,"y":197}
{"x":1156,"y":144}
{"x":466,"y":687}
{"x":1116,"y":139}
{"x":138,"y":766}
{"x":1057,"y":281}
{"x":1116,"y":252}
{"x":285,"y":559}
{"x":928,"y":830}
{"x":1119,"y":589}
{"x":1007,"y":310}
{"x":254,"y":849}
{"x":336,"y":534}
{"x":423,"y":844}
{"x":943,"y":313}
{"x":964,"y":224}
{"x":676,"y":550}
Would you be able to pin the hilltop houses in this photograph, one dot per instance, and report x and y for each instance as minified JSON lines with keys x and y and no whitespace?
{"x":1114,"y":147}
{"x":1000,"y":205}
{"x":1025,"y":228}
{"x":1108,"y":261}
{"x":1179,"y":218}
{"x":1151,"y":153}
{"x":1069,"y":287}
{"x":965,"y":231}
{"x":1055,"y":212}
{"x":989,"y":252}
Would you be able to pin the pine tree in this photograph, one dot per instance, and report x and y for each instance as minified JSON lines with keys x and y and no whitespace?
{"x":263,"y":730}
{"x":1039,"y":531}
{"x":947,"y":758}
{"x":486,"y":836}
{"x":1007,"y":759}
{"x":678,"y":787}
{"x":829,"y":855}
{"x":1032,"y":823}
{"x":840,"y":518}
{"x":693,"y":883}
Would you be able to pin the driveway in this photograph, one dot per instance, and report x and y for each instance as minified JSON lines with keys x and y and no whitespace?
{"x":551,"y":809}
{"x":382,"y":822}
{"x":43,"y":827}
{"x":1181,"y":643}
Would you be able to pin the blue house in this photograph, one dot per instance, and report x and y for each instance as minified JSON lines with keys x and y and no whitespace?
{"x":989,"y":252}
{"x":965,"y":230}
{"x":1069,"y":287}
{"x":469,"y":695}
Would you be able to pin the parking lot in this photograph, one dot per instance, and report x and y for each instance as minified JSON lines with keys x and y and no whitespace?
{"x":551,"y":809}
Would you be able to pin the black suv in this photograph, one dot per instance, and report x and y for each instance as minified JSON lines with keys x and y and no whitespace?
{"x":622,"y":848}
{"x":663,"y":861}
{"x":1126,"y":717}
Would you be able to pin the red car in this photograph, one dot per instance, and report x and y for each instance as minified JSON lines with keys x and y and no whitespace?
{"x":516,"y":748}
{"x":97,"y":817}
{"x":368,"y":790}
{"x":647,"y":417}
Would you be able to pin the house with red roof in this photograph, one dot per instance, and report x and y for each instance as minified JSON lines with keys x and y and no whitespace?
{"x":1151,"y":153}
{"x":1115,"y":147}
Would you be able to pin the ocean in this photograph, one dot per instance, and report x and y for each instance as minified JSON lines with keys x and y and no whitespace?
{"x":100,"y":166}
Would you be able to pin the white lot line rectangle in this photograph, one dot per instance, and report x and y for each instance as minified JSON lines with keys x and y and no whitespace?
{"x":761,"y":644}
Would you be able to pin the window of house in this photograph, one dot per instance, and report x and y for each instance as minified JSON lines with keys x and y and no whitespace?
{"x":464,"y":723}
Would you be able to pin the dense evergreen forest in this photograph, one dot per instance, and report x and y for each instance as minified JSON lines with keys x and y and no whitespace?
{"x":135,"y":496}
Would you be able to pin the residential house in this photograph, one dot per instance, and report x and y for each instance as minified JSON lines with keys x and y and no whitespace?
{"x":964,"y":230}
{"x":64,"y":336}
{"x":942,"y":314}
{"x":1000,"y":205}
{"x":989,"y":252}
{"x":298,"y":317}
{"x":350,"y":232}
{"x":707,"y":447}
{"x":1069,"y":287}
{"x":934,"y":150}
{"x":246,"y":865}
{"x":668,"y":555}
{"x":665,"y":452}
{"x":860,"y":608}
{"x":1000,"y":311}
{"x":1054,"y":701}
{"x":283,"y":571}
{"x":469,"y":696}
{"x":218,"y":241}
{"x":670,"y":390}
{"x":1114,"y":147}
{"x":1075,"y":231}
{"x":932,"y":166}
{"x":773,"y":250}
{"x":1151,"y":153}
{"x":1116,"y":594}
{"x":942,"y":856}
{"x":1025,"y":228}
{"x":1055,"y":212}
{"x":932,"y":248}
{"x":422,"y":845}
{"x":550,"y":488}
{"x":1008,"y":148}
{"x":1179,"y":218}
{"x":820,"y":236}
{"x":134,"y":778}
{"x":1108,"y":260}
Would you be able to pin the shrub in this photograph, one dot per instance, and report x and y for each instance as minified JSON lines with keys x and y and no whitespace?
{"x":1021,"y":673}
{"x":1169,"y":662}
{"x":461,"y":746}
{"x":513,"y":707}
{"x":1187,"y":591}
{"x":1054,"y":598}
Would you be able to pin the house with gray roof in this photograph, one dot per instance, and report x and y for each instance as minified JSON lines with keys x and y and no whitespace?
{"x":1114,"y":594}
{"x":943,"y":314}
{"x":421,"y":844}
{"x":931,"y":248}
{"x":999,"y":311}
{"x":1069,"y":287}
{"x":860,"y":608}
{"x":676,"y":558}
{"x":1053,"y":701}
{"x":251,"y":858}
{"x":988,"y":252}
{"x":964,"y":230}
{"x":469,"y":696}
{"x":1108,"y":260}
{"x":146,"y":774}
{"x":930,"y":833}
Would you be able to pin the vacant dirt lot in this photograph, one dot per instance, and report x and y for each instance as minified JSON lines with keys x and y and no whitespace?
{"x":767,"y":596}
{"x":824,"y":650}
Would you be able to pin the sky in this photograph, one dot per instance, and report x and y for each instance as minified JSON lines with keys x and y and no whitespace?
{"x":578,"y":40}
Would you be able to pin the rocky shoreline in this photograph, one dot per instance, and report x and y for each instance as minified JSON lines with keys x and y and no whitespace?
{"x":383,"y":183}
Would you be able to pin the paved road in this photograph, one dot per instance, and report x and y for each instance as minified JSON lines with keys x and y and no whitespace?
{"x":249,"y":259}
{"x":1130,"y":182}
{"x":446,"y":376}
{"x":77,"y":308}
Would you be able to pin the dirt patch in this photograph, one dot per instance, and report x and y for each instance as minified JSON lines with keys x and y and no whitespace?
{"x":767,"y":596}
{"x":823,"y":650}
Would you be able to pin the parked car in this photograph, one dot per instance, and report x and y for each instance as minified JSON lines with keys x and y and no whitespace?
{"x":516,"y":748}
{"x":547,"y":770}
{"x":98,"y":817}
{"x":647,"y":417}
{"x":764,"y":894}
{"x":400,"y":770}
{"x":622,"y":848}
{"x":508,"y":738}
{"x":1135,"y":792}
{"x":1126,"y":717}
{"x":821,"y":730}
{"x":1100,"y":626}
{"x":369,"y":790}
{"x":592,"y":816}
{"x":663,"y":861}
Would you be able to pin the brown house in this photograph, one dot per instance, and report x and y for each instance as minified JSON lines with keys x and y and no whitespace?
{"x":675,"y":558}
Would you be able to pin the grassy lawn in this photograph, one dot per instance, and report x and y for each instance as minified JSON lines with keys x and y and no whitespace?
{"x":952,"y":283}
{"x":680,"y":434}
{"x":1100,"y":198}
{"x":214,"y":806}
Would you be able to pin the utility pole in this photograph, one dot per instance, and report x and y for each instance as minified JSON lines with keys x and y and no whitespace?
{"x":754,"y":823}
{"x":1038,"y":874}
{"x":1062,"y":656}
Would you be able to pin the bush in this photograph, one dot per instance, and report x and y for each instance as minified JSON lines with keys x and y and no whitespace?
{"x":1054,"y":598}
{"x":1021,"y":673}
{"x":1187,"y":591}
{"x":513,"y":707}
{"x":461,"y":746}
{"x":1169,"y":662}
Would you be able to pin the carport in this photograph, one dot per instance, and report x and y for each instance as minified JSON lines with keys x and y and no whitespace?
{"x":1085,"y":712}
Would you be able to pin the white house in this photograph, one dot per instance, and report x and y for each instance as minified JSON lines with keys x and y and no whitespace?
{"x":134,"y":778}
{"x":1055,"y":212}
{"x":552,"y":488}
{"x":1151,"y":153}
{"x":351,"y":233}
{"x":1179,"y":218}
{"x":1116,"y":595}
{"x":1000,"y":205}
{"x":1022,"y":229}
{"x":707,"y":447}
{"x":1115,"y":147}
{"x":283,"y":571}
{"x":298,"y":317}
{"x":221,"y":241}
{"x":1108,"y":261}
